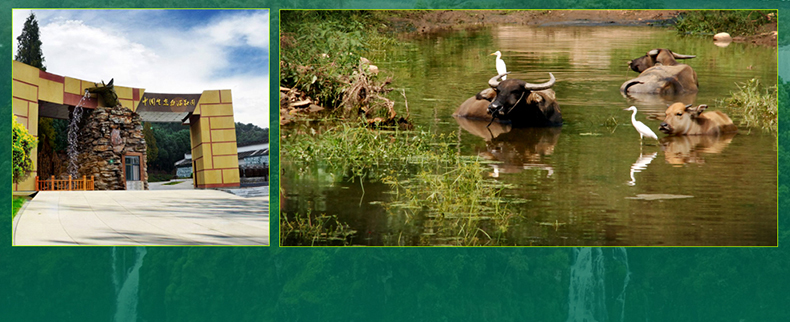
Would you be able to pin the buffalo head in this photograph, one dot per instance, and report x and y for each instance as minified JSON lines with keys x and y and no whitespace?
{"x":663,"y":56}
{"x":524,"y":104}
{"x":689,"y":120}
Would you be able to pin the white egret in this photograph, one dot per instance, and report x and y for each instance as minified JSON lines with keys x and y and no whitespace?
{"x":640,"y":127}
{"x":500,"y":64}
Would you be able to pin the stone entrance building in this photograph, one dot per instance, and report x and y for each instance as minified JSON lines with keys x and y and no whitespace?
{"x":113,"y":146}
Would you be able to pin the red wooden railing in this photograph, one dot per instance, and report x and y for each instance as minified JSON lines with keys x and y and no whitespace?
{"x":65,"y":184}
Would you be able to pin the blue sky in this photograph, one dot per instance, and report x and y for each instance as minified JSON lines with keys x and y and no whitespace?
{"x":163,"y":51}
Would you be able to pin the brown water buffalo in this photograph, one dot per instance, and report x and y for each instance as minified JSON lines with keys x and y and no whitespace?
{"x":514,"y":102}
{"x":661,"y":74}
{"x":687,"y":120}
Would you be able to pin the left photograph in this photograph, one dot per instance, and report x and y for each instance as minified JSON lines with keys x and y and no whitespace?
{"x":140,"y":127}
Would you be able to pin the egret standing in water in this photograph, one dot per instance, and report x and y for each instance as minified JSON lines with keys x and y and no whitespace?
{"x":500,"y":65}
{"x":640,"y":127}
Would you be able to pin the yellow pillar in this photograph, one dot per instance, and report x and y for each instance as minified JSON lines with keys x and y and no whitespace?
{"x":213,"y":138}
{"x":24,"y":103}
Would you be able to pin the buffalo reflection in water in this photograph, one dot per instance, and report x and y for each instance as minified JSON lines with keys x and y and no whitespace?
{"x":684,"y":149}
{"x":515,"y":149}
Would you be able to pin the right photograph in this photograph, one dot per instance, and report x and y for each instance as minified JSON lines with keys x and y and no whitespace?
{"x":528,"y":128}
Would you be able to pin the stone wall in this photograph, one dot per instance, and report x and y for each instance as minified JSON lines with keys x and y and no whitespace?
{"x":50,"y":162}
{"x":107,"y":135}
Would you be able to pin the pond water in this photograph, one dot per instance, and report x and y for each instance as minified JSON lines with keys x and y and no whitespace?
{"x":589,"y":182}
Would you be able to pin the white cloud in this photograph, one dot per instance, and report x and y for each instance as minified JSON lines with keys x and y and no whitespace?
{"x":160,"y":57}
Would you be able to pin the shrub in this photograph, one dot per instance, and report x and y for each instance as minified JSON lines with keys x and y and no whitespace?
{"x":23,"y":144}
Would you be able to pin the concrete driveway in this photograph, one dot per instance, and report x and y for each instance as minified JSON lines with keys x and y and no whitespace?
{"x":135,"y":218}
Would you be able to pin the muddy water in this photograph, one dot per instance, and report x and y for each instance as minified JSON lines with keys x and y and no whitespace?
{"x":589,"y":182}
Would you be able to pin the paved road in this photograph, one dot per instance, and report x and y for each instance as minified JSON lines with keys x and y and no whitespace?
{"x":183,"y":184}
{"x":173,"y":217}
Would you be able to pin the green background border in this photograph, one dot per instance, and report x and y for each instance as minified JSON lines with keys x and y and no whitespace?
{"x":372,"y":284}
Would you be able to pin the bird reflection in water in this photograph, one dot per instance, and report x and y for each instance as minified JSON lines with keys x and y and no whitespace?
{"x":641,"y":164}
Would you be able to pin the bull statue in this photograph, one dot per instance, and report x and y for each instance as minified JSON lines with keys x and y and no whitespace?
{"x":687,"y":120}
{"x":660,"y":73}
{"x":514,"y":102}
{"x":106,"y":92}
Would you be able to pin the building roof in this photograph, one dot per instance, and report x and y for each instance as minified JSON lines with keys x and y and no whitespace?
{"x":187,"y":162}
{"x":253,"y":153}
{"x":184,"y":163}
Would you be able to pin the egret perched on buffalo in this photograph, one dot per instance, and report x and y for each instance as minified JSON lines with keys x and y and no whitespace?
{"x":640,"y":127}
{"x":500,"y":64}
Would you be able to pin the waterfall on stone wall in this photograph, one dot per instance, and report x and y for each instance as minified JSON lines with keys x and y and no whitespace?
{"x":127,"y":295}
{"x":587,"y":292}
{"x":73,"y":135}
{"x":622,"y":254}
{"x":587,"y":299}
{"x":115,"y":275}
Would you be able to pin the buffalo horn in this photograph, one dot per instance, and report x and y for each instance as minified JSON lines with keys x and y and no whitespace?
{"x":537,"y":87}
{"x":652,"y":52}
{"x":679,"y":56}
{"x":494,"y":81}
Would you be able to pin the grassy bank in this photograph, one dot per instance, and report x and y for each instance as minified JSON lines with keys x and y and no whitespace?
{"x":322,"y":56}
{"x":17,"y":203}
{"x":734,"y":22}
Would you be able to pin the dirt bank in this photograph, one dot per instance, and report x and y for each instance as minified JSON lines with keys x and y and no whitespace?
{"x":416,"y":23}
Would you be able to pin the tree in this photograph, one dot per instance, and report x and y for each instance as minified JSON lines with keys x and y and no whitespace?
{"x":29,"y":48}
{"x":23,"y":143}
{"x":152,"y":151}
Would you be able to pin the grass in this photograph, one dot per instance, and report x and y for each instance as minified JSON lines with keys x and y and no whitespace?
{"x":755,"y":105}
{"x":435,"y":190}
{"x":734,"y":22}
{"x":172,"y":183}
{"x":17,"y":203}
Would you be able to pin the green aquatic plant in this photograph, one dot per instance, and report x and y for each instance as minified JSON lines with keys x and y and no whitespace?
{"x":313,"y":230}
{"x":755,"y":104}
{"x":449,"y":199}
{"x":455,"y":204}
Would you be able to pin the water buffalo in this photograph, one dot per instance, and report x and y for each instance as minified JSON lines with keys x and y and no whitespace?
{"x":687,"y":120}
{"x":514,"y":102}
{"x":661,"y":74}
